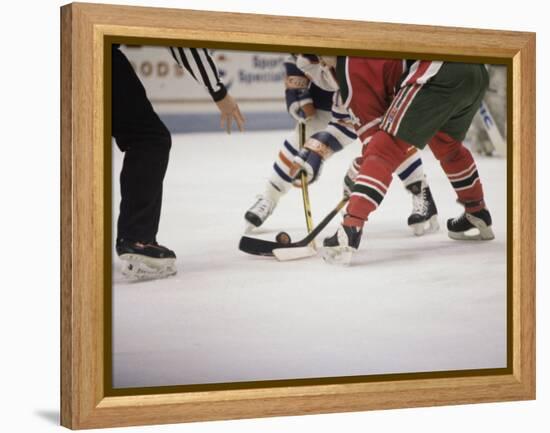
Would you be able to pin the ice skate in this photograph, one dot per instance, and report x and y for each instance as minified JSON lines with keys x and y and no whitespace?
{"x":474,"y":226}
{"x":423,"y":218}
{"x":339,"y":248}
{"x":145,"y":261}
{"x":258,"y":213}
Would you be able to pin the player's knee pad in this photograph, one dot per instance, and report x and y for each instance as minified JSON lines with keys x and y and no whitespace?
{"x":445,"y":148}
{"x":391,"y":150}
{"x":318,"y":122}
{"x":314,"y":124}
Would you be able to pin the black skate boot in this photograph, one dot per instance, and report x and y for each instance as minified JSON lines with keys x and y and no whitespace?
{"x":423,"y":218}
{"x":258,"y":212}
{"x":145,"y":260}
{"x":339,"y":248}
{"x":471,"y":226}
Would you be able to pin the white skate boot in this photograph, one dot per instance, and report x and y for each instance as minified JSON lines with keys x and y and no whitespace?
{"x":423,"y":218}
{"x":258,"y":212}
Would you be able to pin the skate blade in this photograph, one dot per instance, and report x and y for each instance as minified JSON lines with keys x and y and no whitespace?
{"x":483,"y":233}
{"x":136,"y":267}
{"x":338,"y":255}
{"x":474,"y":234}
{"x":430,"y":226}
{"x":287,"y":254}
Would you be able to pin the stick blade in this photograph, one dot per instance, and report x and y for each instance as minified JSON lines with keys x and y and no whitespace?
{"x":258,"y":247}
{"x":294,"y":253}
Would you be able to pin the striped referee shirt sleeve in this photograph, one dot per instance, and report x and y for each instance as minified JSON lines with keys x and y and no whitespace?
{"x":200,"y":64}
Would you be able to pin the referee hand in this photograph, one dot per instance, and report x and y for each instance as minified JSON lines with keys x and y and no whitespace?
{"x":230,"y":111}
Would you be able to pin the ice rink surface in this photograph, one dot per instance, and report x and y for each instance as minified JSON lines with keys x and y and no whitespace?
{"x":406,"y":304}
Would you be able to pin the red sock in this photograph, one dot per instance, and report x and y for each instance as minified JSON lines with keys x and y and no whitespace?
{"x":461,"y":170}
{"x":381,"y":157}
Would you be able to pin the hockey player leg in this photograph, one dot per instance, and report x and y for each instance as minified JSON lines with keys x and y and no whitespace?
{"x":280,"y":179}
{"x":382,"y":156}
{"x":423,"y":218}
{"x":460,"y":167}
{"x":277,"y":185}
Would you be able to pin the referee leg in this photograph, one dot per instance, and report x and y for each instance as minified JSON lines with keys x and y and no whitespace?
{"x":146,"y":143}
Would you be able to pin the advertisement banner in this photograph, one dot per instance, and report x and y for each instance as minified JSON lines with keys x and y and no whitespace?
{"x":249,"y":76}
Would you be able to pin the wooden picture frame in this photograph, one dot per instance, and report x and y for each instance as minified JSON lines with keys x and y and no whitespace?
{"x":86,"y":30}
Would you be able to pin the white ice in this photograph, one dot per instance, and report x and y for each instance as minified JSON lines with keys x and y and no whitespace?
{"x":407,"y":304}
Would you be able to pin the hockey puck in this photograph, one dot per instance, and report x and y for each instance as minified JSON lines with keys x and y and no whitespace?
{"x":283,"y":238}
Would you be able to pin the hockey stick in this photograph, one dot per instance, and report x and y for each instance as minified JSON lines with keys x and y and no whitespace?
{"x":303,"y":178}
{"x":285,"y":254}
{"x":261,"y":247}
{"x":492,"y":130}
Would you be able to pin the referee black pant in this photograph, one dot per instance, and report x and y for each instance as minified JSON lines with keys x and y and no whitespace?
{"x":146,"y":142}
